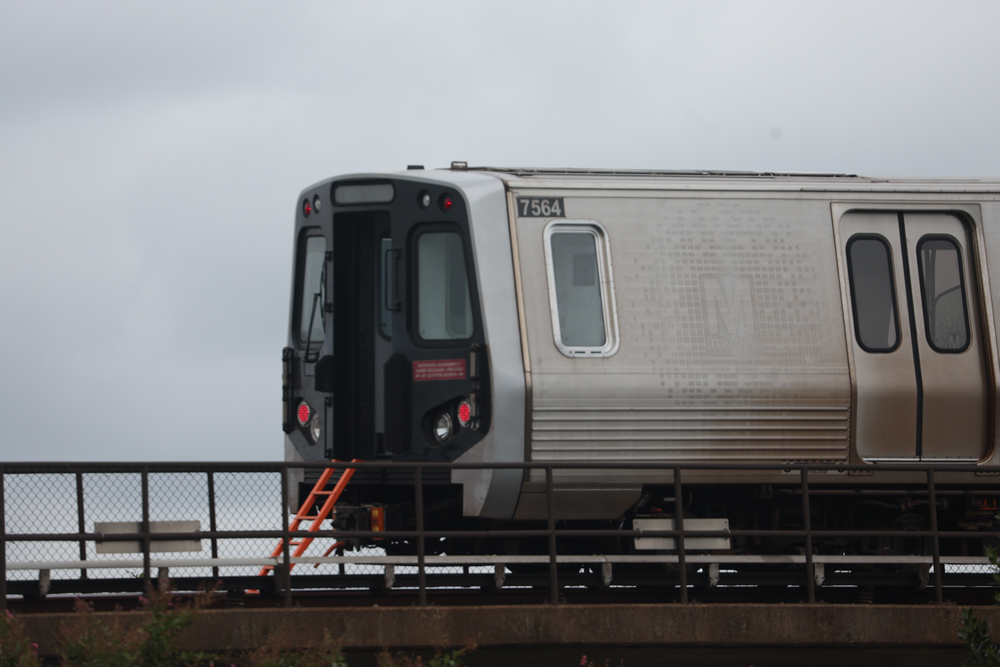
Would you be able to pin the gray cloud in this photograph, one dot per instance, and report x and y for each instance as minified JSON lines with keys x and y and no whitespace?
{"x":150,"y":156}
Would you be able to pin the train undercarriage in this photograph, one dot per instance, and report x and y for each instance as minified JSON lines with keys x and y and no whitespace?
{"x":779,"y":508}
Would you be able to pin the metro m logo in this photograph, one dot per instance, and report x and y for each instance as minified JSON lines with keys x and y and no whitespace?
{"x":734,"y":310}
{"x":729,"y":308}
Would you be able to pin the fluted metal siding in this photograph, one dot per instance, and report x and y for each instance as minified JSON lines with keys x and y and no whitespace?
{"x":681,"y":386}
{"x":621,"y":433}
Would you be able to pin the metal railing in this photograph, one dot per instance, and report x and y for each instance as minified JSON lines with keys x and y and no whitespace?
{"x":47,"y":505}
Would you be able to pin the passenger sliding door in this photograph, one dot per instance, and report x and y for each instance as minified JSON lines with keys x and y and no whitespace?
{"x":886,"y":412}
{"x":949,"y":338}
{"x":918,"y":356}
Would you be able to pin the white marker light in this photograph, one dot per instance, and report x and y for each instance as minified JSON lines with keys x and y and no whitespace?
{"x":442,"y":427}
{"x":315,"y":428}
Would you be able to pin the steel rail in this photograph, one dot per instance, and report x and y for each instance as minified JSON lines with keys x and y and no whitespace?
{"x":539,"y":532}
{"x":500,"y":559}
{"x":18,"y":468}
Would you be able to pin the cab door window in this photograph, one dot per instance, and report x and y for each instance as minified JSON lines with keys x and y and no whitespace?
{"x":312,"y":292}
{"x":444,"y":309}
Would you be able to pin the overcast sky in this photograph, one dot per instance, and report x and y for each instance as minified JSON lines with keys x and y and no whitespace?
{"x":150,"y":158}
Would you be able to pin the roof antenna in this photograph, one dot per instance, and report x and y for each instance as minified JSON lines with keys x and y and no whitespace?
{"x":418,"y":167}
{"x":459,"y":166}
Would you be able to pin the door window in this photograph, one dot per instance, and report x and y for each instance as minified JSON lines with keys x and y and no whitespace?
{"x":873,"y":295}
{"x":943,"y":290}
{"x":444,"y":311}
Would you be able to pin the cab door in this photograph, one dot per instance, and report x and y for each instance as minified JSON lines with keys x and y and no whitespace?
{"x":918,"y":348}
{"x":435,"y":381}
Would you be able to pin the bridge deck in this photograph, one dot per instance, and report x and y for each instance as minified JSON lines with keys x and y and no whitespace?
{"x":719,"y":633}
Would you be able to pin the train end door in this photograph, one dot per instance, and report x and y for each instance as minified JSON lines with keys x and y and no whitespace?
{"x":436,"y":381}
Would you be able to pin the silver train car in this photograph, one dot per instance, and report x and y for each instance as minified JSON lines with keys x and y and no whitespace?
{"x":493,"y":314}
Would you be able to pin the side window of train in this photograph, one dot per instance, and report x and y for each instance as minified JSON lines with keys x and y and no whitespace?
{"x":444,"y":310}
{"x":943,"y":289}
{"x":581,"y":291}
{"x":873,"y":293}
{"x":311,"y":289}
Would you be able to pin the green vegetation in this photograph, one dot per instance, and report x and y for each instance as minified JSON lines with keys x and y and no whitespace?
{"x":16,"y":649}
{"x":440,"y":659}
{"x":976,"y":633}
{"x":90,"y":640}
{"x":327,"y":654}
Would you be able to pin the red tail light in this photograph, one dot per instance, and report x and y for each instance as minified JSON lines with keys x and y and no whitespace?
{"x":303,"y":413}
{"x":464,"y":413}
{"x":306,"y":208}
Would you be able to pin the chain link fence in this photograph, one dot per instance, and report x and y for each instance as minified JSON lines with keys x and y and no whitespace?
{"x":37,"y":503}
{"x":69,"y":507}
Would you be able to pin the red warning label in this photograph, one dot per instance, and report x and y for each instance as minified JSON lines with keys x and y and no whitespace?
{"x":439,"y":369}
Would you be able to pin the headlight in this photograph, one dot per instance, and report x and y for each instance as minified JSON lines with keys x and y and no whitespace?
{"x":442,"y":427}
{"x":315,"y":428}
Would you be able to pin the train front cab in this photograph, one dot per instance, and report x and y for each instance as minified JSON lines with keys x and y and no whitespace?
{"x":388,"y":346}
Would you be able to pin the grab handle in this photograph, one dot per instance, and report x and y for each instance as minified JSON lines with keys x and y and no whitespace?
{"x":390,"y":280}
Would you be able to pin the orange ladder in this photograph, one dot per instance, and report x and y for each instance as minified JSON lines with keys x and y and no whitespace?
{"x":317,"y":519}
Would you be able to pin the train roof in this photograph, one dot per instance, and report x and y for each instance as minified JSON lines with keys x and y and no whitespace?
{"x":707,"y":179}
{"x":688,"y":180}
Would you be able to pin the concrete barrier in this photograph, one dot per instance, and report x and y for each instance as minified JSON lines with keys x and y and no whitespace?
{"x":693,"y":625}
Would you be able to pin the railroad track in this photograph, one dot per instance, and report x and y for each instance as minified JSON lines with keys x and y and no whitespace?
{"x":897,"y":586}
{"x":573,"y":596}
